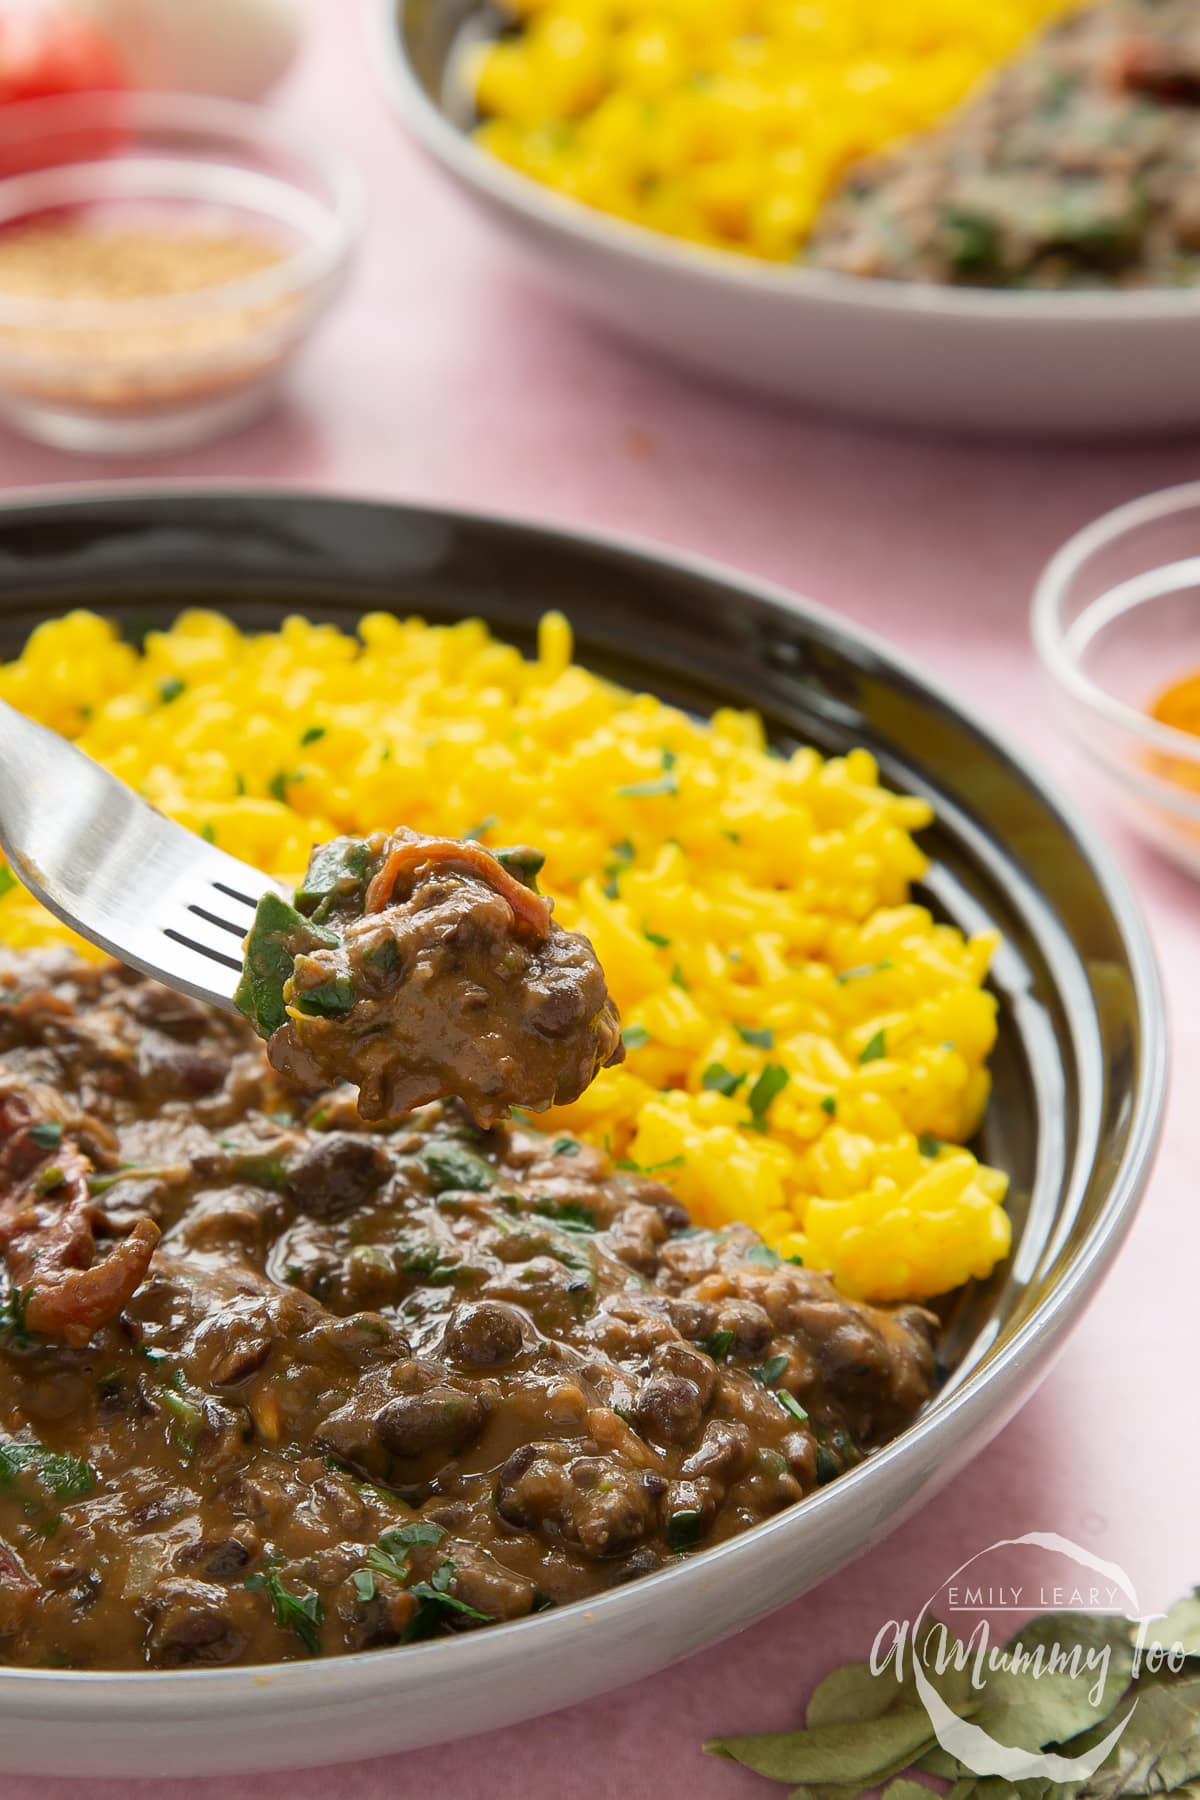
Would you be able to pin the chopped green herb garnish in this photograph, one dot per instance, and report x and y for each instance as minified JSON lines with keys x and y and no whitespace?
{"x":862,"y":972}
{"x":571,"y":1215}
{"x":719,"y":1345}
{"x":300,"y":1613}
{"x":380,"y":1563}
{"x":876,"y":1050}
{"x":364,"y":1584}
{"x":8,"y":880}
{"x":523,"y":862}
{"x":763,"y":1255}
{"x":766,"y":1089}
{"x":481,"y":830}
{"x":66,"y":1477}
{"x":313,"y":735}
{"x":566,"y":1146}
{"x":790,"y":1404}
{"x":331,"y":999}
{"x":678,"y":978}
{"x":768,"y":1373}
{"x":279,"y":933}
{"x":208,"y":832}
{"x":827,"y":1466}
{"x":170,"y":689}
{"x":277,"y":787}
{"x":49,"y":1179}
{"x":436,"y":1599}
{"x":657,"y":939}
{"x":635,"y":1036}
{"x":717,"y":1079}
{"x":646,"y":790}
{"x":829,"y":1105}
{"x":48,"y":1133}
{"x":261,"y":1167}
{"x":12,"y":1317}
{"x":685,"y":1529}
{"x":762,"y":1040}
{"x":451,"y":1166}
{"x":929,"y":1146}
{"x":403,"y":1537}
{"x":630,"y":1167}
{"x":337,"y":874}
{"x":186,"y":1415}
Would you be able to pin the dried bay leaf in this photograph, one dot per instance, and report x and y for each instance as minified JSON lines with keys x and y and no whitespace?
{"x":1031,"y":1710}
{"x":1181,"y":1625}
{"x":826,"y":1790}
{"x":1160,"y":1750}
{"x":845,"y":1754}
{"x":854,"y":1693}
{"x":939,"y":1762}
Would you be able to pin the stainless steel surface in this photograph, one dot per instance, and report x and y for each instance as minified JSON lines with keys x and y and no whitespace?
{"x":120,"y":874}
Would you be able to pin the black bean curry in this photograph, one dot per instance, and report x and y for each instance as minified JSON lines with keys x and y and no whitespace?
{"x":423,"y":969}
{"x":277,"y":1383}
{"x":1077,"y":165}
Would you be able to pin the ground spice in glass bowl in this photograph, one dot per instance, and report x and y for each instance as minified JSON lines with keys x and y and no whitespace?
{"x":157,"y":273}
{"x":1116,"y":622}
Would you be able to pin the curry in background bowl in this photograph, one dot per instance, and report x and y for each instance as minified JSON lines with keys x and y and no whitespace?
{"x":1043,"y":144}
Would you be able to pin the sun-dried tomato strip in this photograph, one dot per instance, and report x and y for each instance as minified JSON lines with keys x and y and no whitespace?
{"x":48,"y":1225}
{"x":528,"y":908}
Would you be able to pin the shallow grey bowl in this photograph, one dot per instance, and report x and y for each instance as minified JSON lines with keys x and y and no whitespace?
{"x":1056,"y":364}
{"x":1079,"y":1071}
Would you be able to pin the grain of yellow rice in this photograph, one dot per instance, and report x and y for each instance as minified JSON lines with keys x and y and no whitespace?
{"x":751,"y":912}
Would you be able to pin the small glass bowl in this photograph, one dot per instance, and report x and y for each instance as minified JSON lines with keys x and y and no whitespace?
{"x":128,"y":374}
{"x":1116,"y":621}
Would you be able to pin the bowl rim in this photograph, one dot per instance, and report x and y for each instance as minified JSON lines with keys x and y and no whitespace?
{"x":341,"y":200}
{"x":1052,"y":640}
{"x":543,"y":207}
{"x":993,"y":1390}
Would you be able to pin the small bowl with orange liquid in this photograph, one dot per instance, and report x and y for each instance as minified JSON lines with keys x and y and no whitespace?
{"x":1116,"y":622}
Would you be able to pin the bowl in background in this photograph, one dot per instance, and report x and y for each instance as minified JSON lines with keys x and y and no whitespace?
{"x":1116,"y":621}
{"x":130,"y":374}
{"x":1058,"y":364}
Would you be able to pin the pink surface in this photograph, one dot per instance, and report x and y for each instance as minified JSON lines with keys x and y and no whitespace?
{"x":445,"y":376}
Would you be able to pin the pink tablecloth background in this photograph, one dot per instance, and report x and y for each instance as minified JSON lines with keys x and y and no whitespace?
{"x":445,"y":376}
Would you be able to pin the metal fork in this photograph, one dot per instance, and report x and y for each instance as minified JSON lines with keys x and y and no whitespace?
{"x":151,"y":893}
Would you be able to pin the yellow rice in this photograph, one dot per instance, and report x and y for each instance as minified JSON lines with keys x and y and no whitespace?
{"x":722,"y":886}
{"x":729,"y":122}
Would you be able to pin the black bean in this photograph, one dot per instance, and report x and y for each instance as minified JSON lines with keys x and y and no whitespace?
{"x":484,"y":1333}
{"x":670,"y":1409}
{"x":339,"y":1170}
{"x":442,"y":1418}
{"x":750,"y":1324}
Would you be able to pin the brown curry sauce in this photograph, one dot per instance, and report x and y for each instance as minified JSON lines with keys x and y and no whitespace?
{"x":367,"y":1385}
